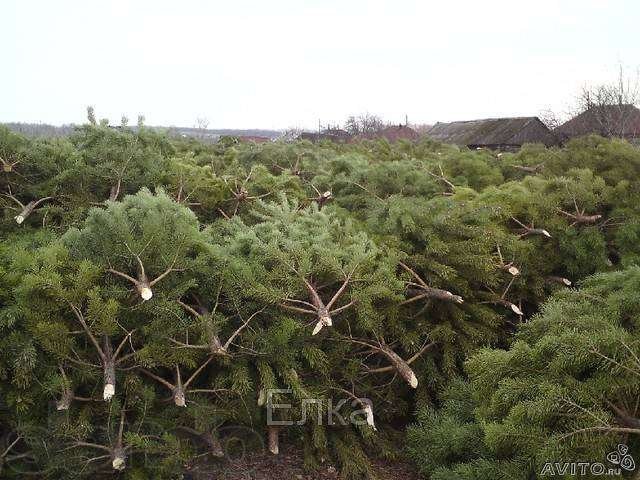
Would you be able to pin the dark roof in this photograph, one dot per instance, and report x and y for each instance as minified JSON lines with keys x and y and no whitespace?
{"x":606,"y":120}
{"x":514,"y":131}
{"x":392,"y":134}
{"x":332,"y":134}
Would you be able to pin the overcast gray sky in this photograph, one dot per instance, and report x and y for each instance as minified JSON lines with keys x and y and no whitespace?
{"x":281,"y":63}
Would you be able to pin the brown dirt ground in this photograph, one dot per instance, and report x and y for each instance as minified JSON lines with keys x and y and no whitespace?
{"x":288,"y":465}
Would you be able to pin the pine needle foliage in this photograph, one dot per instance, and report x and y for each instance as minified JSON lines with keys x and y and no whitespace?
{"x":158,"y":295}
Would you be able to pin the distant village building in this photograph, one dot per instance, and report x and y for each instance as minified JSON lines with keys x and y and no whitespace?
{"x":392,"y":134}
{"x":332,"y":134}
{"x":494,"y":133}
{"x":622,"y":121}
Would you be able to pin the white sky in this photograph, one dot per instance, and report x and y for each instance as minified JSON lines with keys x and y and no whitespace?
{"x":282,"y":63}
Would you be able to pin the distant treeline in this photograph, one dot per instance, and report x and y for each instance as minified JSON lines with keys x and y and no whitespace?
{"x":49,"y":131}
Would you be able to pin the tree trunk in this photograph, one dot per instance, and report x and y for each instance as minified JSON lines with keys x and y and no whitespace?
{"x":324,"y":320}
{"x":179,"y":397}
{"x":512,"y":306}
{"x":262,"y":397}
{"x":537,"y":231}
{"x":274,"y":443}
{"x":402,"y":367}
{"x":215,"y":447}
{"x":560,"y":280}
{"x":436,"y":293}
{"x":144,"y":288}
{"x":26,"y":211}
{"x":114,"y":193}
{"x":109,"y":370}
{"x":118,"y":458}
{"x":587,"y":218}
{"x":65,"y":401}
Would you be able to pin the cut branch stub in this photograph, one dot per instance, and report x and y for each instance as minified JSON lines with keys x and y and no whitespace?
{"x":178,"y":391}
{"x":507,"y":267}
{"x":142,"y":283}
{"x":8,"y":167}
{"x":323,"y":198}
{"x":215,"y":447}
{"x":421,"y":290}
{"x":178,"y":397}
{"x":324,"y":320}
{"x":109,"y":371}
{"x":67,"y":394}
{"x":27,"y":209}
{"x":114,"y":192}
{"x":208,"y":438}
{"x":317,"y":307}
{"x":512,"y":269}
{"x":435,"y":293}
{"x":512,"y":306}
{"x":450,"y":187}
{"x":118,"y":459}
{"x":214,"y":345}
{"x":535,"y":231}
{"x":588,"y":218}
{"x":105,"y":353}
{"x":397,"y":363}
{"x":534,"y":169}
{"x":368,"y":410}
{"x":109,"y":382}
{"x":402,"y":367}
{"x":65,"y":400}
{"x":273,"y":439}
{"x":579,"y":218}
{"x":367,"y":406}
{"x":262,"y":397}
{"x":561,"y":280}
{"x":527,"y":230}
{"x":118,"y":453}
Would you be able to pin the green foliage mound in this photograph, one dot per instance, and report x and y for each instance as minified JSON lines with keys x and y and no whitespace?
{"x":161,"y":299}
{"x":567,"y":389}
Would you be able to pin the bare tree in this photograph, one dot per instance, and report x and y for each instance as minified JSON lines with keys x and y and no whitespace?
{"x":609,"y":104}
{"x":291,"y":134}
{"x":606,"y":109}
{"x":364,"y":123}
{"x":91,"y":115}
{"x":551,"y":118}
{"x":202,"y":123}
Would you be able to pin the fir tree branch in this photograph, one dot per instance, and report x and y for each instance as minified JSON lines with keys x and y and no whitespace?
{"x":80,"y":318}
{"x":424,"y":349}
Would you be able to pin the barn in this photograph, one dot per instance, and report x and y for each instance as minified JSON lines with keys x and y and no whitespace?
{"x":392,"y":134}
{"x":332,"y":134}
{"x":620,"y":120}
{"x":494,"y":133}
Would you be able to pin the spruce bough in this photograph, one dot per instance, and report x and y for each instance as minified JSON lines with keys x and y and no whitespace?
{"x":159,"y":290}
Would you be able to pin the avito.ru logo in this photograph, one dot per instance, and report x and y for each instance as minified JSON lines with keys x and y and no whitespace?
{"x":620,"y":458}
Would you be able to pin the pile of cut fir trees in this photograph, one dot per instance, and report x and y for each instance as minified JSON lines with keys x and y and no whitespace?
{"x":160,"y":297}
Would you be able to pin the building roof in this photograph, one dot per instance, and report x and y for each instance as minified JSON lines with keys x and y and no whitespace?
{"x":332,"y":134}
{"x":621,"y":120}
{"x":514,"y":131}
{"x":392,"y":133}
